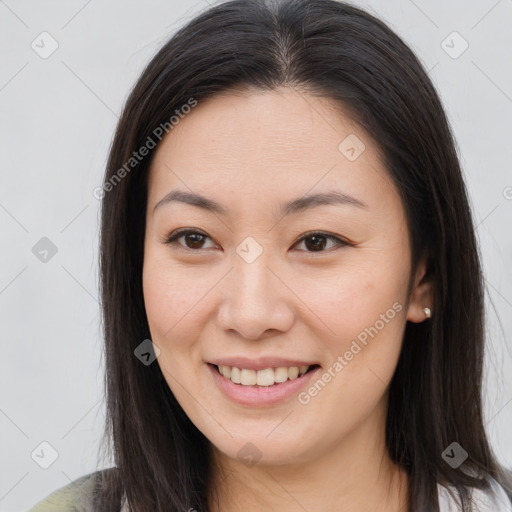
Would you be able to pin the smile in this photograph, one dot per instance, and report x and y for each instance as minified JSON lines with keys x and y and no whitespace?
{"x":263,"y":386}
{"x":265,"y":377}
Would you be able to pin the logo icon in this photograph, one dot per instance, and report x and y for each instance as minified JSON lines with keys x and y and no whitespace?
{"x":146,"y":352}
{"x":44,"y":45}
{"x":44,"y":455}
{"x":454,"y":45}
{"x":454,"y":455}
{"x":44,"y":250}
{"x":351,"y":147}
{"x":249,"y":250}
{"x":249,"y":454}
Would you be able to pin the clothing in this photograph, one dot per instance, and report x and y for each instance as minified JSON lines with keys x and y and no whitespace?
{"x":73,"y":497}
{"x":77,"y":497}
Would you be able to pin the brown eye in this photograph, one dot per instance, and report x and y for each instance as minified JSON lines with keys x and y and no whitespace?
{"x":314,"y":242}
{"x":317,"y":241}
{"x":194,"y":240}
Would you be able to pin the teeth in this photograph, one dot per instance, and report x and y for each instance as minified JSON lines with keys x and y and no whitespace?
{"x":235,"y":375}
{"x":280,"y":374}
{"x":226,"y":371}
{"x":247,"y":377}
{"x":293,"y":372}
{"x":266,"y":377}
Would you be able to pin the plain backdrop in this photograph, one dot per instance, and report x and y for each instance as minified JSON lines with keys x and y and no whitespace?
{"x":57,"y":115}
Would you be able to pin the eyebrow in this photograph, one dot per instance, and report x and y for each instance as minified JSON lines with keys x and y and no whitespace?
{"x":295,"y":206}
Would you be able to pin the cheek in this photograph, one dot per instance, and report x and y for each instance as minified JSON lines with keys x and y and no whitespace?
{"x":174,"y":310}
{"x":361,"y":315}
{"x":346,"y":302}
{"x":173,"y":298}
{"x":367,"y":316}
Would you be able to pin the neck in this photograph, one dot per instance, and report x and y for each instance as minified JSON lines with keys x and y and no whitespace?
{"x":356,"y":475}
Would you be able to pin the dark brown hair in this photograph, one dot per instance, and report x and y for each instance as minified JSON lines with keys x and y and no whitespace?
{"x":337,"y":51}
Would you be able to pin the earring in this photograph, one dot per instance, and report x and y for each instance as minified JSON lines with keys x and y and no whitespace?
{"x":427,"y":312}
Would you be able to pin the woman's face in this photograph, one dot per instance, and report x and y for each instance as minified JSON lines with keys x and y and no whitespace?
{"x":253,"y":290}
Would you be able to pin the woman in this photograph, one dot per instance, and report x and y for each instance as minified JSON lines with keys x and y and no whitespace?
{"x":292,"y":293}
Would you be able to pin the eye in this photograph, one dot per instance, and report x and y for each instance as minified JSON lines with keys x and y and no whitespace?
{"x":315,"y":241}
{"x":193,"y":239}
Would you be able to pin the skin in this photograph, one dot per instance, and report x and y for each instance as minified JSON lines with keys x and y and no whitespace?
{"x":251,"y":152}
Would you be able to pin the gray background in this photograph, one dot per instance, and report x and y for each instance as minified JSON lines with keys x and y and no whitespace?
{"x":58,"y":115}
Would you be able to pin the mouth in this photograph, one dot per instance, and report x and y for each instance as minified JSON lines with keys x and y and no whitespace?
{"x":268,"y":383}
{"x":263,"y":378}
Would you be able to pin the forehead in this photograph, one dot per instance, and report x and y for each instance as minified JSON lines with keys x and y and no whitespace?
{"x":268,"y":143}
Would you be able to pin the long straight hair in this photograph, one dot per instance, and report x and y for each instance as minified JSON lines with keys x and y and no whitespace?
{"x":337,"y":51}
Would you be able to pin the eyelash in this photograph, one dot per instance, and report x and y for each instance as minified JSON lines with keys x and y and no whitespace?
{"x":173,"y":237}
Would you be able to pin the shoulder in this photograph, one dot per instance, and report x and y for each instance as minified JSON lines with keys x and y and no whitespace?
{"x":494,"y":500}
{"x":77,"y":496}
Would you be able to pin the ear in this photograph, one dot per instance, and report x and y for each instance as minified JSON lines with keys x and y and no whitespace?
{"x":421,"y":295}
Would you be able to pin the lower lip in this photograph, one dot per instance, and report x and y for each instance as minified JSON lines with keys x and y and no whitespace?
{"x":259,"y":396}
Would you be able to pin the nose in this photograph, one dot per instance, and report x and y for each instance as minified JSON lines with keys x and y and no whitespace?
{"x":255,"y":303}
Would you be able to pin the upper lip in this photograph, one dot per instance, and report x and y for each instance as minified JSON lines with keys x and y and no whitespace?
{"x":259,"y":363}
